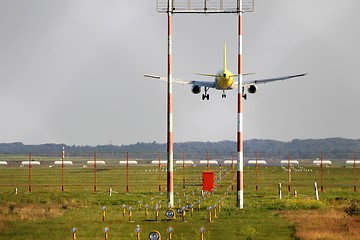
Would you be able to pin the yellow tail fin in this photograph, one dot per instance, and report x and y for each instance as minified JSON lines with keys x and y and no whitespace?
{"x":225,"y":69}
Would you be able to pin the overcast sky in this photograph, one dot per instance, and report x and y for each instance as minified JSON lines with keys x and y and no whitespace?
{"x":71,"y":71}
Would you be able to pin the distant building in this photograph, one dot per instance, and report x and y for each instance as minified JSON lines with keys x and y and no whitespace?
{"x":230,"y":162}
{"x":186,"y":162}
{"x":156,"y":162}
{"x":210,"y":162}
{"x":263,"y":162}
{"x":132,"y":162}
{"x":65,"y":163}
{"x":97,"y":162}
{"x":351,"y":162}
{"x":32,"y":163}
{"x":292,"y":162}
{"x":324,"y":162}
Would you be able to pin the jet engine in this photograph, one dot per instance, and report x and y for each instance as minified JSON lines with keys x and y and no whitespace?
{"x":252,"y":89}
{"x":196,"y":89}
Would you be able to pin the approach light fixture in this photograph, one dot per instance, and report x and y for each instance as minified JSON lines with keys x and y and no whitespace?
{"x":154,"y":235}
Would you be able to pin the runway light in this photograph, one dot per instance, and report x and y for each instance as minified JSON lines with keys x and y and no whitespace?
{"x":202,"y":230}
{"x":146,"y":209}
{"x":209,"y":208}
{"x":130,"y":213}
{"x":138,"y":231}
{"x":179,"y":211}
{"x":74,"y":230}
{"x":103,"y":213}
{"x":198,"y":203}
{"x":123,"y":207}
{"x":190,"y":207}
{"x":106,"y":231}
{"x":154,"y":235}
{"x":183,"y":209}
{"x":170,"y":214}
{"x":156,"y":213}
{"x":170,"y":230}
{"x":215,"y":216}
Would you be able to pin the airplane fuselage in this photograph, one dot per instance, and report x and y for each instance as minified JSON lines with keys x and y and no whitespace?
{"x":224,"y":80}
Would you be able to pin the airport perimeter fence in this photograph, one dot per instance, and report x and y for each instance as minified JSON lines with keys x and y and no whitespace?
{"x":144,"y":172}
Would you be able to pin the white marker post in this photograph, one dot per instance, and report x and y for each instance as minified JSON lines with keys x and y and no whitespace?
{"x":316,"y":191}
{"x":279,"y":190}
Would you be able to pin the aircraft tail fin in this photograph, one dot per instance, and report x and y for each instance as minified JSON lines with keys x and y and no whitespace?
{"x":225,"y":69}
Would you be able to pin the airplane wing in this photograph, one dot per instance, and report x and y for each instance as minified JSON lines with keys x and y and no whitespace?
{"x":199,"y":83}
{"x":264,"y":81}
{"x":165,"y":79}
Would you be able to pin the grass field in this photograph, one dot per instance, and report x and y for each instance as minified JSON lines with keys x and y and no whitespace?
{"x":49,"y":213}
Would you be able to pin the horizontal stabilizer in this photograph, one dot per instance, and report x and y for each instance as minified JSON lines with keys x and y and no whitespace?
{"x":218,"y":75}
{"x":207,"y":74}
{"x":244,"y":74}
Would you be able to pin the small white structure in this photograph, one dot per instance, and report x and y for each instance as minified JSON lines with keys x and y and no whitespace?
{"x":131,"y":162}
{"x":292,"y":162}
{"x":3,"y":162}
{"x":229,"y":162}
{"x":65,"y":163}
{"x":263,"y":162}
{"x":156,"y":162}
{"x":210,"y":162}
{"x":351,"y":162}
{"x":324,"y":162}
{"x":97,"y":162}
{"x":32,"y":163}
{"x":186,"y":162}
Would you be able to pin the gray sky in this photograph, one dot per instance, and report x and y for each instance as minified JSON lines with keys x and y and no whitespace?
{"x":71,"y":71}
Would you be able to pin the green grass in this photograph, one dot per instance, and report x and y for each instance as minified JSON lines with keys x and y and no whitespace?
{"x":79,"y":206}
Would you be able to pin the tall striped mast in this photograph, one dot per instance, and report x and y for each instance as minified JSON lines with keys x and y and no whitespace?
{"x":240,"y":157}
{"x":170,"y":154}
{"x":62,"y":168}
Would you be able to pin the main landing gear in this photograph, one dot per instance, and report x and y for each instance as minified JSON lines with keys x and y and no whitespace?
{"x":206,"y":95}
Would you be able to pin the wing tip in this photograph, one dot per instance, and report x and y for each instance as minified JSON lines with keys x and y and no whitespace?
{"x":151,"y":76}
{"x":300,"y":75}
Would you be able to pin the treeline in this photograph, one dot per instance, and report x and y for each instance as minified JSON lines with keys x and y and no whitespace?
{"x":332,"y":148}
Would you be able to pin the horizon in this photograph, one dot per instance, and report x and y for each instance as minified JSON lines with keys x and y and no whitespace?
{"x":154,"y":142}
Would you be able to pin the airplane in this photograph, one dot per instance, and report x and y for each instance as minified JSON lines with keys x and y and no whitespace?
{"x":224,"y":80}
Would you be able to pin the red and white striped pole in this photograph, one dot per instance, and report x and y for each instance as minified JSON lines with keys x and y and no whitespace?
{"x":170,"y":159}
{"x":62,"y":168}
{"x":240,"y":157}
{"x":30,"y":173}
{"x":354,"y":171}
{"x":95,"y":171}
